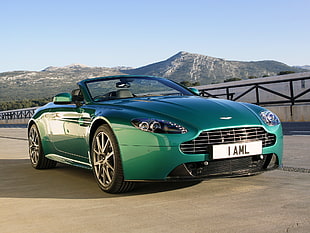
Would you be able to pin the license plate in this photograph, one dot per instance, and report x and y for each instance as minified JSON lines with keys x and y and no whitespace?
{"x":234,"y":150}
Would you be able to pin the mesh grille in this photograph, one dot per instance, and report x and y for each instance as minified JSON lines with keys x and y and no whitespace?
{"x":243,"y":165}
{"x":203,"y":143}
{"x":234,"y":166}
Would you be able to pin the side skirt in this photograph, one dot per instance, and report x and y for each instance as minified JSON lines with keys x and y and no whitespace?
{"x":68,"y":161}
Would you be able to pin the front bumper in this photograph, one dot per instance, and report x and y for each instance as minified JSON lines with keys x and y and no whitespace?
{"x":163,"y":162}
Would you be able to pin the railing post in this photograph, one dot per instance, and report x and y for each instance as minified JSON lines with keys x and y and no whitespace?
{"x":292,"y":96}
{"x":292,"y":92}
{"x":257,"y":93}
{"x":227,"y":93}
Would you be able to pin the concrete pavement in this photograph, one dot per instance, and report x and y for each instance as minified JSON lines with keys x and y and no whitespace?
{"x":67,"y":199}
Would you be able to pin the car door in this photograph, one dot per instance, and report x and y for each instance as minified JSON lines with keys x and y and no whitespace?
{"x":68,"y":127}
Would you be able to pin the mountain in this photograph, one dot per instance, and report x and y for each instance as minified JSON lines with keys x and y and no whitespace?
{"x":19,"y":85}
{"x":305,"y":67}
{"x":206,"y":70}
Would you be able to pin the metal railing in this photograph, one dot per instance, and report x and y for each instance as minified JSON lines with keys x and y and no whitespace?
{"x":292,"y":91}
{"x":17,"y":114}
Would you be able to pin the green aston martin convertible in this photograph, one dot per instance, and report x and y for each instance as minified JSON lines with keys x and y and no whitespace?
{"x":142,"y":128}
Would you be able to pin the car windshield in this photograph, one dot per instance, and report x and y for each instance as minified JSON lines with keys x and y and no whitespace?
{"x":133,"y":87}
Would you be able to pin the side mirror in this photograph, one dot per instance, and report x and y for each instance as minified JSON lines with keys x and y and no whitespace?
{"x":196,"y":91}
{"x":63,"y":98}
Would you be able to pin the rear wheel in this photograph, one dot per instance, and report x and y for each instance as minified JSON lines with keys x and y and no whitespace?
{"x":37,"y":158}
{"x":106,"y":162}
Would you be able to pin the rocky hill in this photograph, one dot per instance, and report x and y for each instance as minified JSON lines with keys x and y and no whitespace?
{"x":207,"y":70}
{"x":183,"y":66}
{"x":305,"y":67}
{"x":18,"y":85}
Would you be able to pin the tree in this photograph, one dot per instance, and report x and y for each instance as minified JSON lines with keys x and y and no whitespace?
{"x":26,"y":103}
{"x":189,"y":84}
{"x":185,"y":83}
{"x":232,"y":79}
{"x":286,"y":72}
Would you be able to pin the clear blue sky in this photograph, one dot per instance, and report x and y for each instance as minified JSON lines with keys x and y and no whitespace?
{"x":40,"y":33}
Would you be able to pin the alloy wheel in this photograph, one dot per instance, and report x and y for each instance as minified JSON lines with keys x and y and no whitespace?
{"x":34,"y":145}
{"x":104,"y":159}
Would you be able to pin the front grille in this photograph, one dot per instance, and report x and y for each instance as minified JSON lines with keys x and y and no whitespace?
{"x":203,"y":143}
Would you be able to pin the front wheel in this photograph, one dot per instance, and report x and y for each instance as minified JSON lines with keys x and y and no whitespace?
{"x":106,"y":162}
{"x":37,"y":158}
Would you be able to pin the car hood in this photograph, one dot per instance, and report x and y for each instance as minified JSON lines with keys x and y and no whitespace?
{"x":196,"y":111}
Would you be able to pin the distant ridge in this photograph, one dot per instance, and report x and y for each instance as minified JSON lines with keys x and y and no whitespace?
{"x":72,"y":66}
{"x":306,"y":67}
{"x":183,"y":66}
{"x":206,"y":69}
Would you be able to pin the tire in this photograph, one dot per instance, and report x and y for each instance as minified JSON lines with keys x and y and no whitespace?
{"x":106,"y":162}
{"x":37,"y":158}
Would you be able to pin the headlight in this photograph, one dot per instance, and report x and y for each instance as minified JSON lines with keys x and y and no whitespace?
{"x":270,"y":118}
{"x":158,"y":126}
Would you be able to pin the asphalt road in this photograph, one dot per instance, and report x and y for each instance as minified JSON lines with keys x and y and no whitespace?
{"x":67,"y":199}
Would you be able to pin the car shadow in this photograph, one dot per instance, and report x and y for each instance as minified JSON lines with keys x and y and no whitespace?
{"x":19,"y":180}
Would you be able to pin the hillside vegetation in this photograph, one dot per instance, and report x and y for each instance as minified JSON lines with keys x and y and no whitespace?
{"x":32,"y":88}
